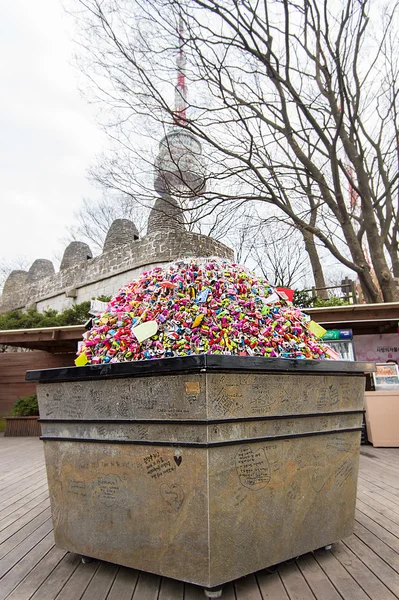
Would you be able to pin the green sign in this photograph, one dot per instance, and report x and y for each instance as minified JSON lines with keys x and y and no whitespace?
{"x":331,"y":334}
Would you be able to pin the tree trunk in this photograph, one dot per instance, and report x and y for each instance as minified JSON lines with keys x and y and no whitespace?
{"x":315,"y":263}
{"x":368,"y":287}
{"x":395,"y":262}
{"x":393,"y":250}
{"x":381,"y":268}
{"x":370,"y":291}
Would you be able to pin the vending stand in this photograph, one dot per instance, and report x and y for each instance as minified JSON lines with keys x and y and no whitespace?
{"x":382,"y":406}
{"x":341,"y":340}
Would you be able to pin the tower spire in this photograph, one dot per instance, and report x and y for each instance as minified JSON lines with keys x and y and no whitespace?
{"x":179,"y":170}
{"x":181,"y":87}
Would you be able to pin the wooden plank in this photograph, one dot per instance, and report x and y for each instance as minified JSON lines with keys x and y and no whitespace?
{"x":17,"y":452}
{"x":7,"y":483}
{"x":383,"y":477}
{"x":147,"y":587}
{"x":378,"y":518}
{"x":294,"y":582}
{"x":393,"y":506}
{"x":23,"y":533}
{"x":125,"y":584}
{"x":22,"y":517}
{"x":378,"y":546}
{"x":271,"y":586}
{"x":32,"y":481}
{"x":32,"y":477}
{"x":380,"y":508}
{"x":57,"y":578}
{"x":38,"y":575}
{"x":393,"y":452}
{"x":380,"y":491}
{"x":17,"y":525}
{"x":388,"y":456}
{"x":374,"y":563}
{"x":15,"y":456}
{"x":101,"y":583}
{"x":380,"y":463}
{"x":78,"y":582}
{"x":380,"y":532}
{"x":171,"y":589}
{"x":366,"y":565}
{"x":13,"y":557}
{"x":369,"y":462}
{"x":365,"y":578}
{"x":5,"y":512}
{"x":366,"y":476}
{"x":21,"y":493}
{"x":30,"y":470}
{"x":315,"y":577}
{"x":339,"y":577}
{"x":20,"y":448}
{"x":247,"y":588}
{"x":191,"y":592}
{"x":32,"y":486}
{"x":16,"y":473}
{"x":10,"y":581}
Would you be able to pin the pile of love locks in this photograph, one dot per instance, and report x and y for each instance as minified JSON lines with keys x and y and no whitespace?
{"x":200,"y":306}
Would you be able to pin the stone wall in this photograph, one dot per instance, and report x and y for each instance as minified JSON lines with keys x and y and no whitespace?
{"x":105,"y":274}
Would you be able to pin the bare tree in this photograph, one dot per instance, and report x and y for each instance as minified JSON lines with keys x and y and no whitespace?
{"x":278,"y":254}
{"x":287,"y":96}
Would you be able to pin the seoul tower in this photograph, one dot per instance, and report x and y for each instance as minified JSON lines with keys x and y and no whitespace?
{"x":179,"y":170}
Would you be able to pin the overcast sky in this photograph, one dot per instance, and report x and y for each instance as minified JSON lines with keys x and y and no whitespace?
{"x":48,"y":132}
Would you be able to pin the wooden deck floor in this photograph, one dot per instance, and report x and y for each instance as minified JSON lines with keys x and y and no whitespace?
{"x":364,"y":566}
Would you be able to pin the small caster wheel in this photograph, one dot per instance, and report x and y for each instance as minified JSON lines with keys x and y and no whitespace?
{"x":215,"y":592}
{"x":271,"y":569}
{"x":86,"y":560}
{"x":328,"y":547}
{"x":291,"y":560}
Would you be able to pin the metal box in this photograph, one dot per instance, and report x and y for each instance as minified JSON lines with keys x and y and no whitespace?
{"x":203,"y":468}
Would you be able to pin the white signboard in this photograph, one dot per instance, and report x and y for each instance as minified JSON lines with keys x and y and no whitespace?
{"x":97,"y":307}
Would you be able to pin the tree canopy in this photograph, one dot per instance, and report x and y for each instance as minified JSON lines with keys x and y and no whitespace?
{"x":295,"y":103}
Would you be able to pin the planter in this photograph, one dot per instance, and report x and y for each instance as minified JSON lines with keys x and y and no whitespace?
{"x":22,"y":426}
{"x":203,"y":468}
{"x":382,"y":418}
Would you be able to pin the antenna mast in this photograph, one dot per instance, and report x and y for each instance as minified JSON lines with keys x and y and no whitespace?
{"x":181,"y":87}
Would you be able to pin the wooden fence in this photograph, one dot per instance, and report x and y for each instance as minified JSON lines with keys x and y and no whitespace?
{"x":13,"y":367}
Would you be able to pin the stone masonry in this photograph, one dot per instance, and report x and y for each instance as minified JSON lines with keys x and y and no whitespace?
{"x":82,"y":278}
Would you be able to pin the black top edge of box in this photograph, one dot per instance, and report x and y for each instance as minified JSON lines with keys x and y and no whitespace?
{"x":201,"y":362}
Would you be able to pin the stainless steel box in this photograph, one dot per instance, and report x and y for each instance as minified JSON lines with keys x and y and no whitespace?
{"x":203,"y":468}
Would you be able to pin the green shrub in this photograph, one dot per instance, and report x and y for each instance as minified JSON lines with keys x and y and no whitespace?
{"x":304,"y":299}
{"x":103,"y":298}
{"x":28,"y":319}
{"x":26,"y":407}
{"x":332,"y":301}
